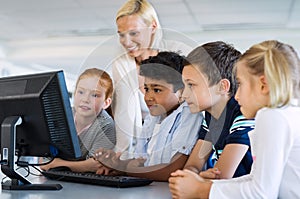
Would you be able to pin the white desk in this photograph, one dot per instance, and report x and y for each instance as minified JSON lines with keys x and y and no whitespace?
{"x":83,"y":191}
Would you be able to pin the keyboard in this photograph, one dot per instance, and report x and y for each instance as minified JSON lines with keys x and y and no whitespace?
{"x":95,"y":179}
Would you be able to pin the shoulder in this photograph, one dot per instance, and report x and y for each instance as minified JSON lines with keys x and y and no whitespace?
{"x":151,"y":120}
{"x":271,"y":115}
{"x":233,"y":113}
{"x":104,"y":115}
{"x":278,"y":124}
{"x":278,"y":116}
{"x":238,"y":132}
{"x":241,"y":123}
{"x":123,"y":64}
{"x":121,"y":58}
{"x":104,"y":118}
{"x":238,"y":122}
{"x":280,"y":112}
{"x":175,"y":46}
{"x":233,"y":106}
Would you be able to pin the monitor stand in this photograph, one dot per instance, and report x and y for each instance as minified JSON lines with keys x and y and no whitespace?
{"x":8,"y":159}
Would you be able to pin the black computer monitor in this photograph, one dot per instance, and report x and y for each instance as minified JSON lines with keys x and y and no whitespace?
{"x":36,"y":120}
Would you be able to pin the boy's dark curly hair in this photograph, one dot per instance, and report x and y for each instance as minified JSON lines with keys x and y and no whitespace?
{"x":165,"y":66}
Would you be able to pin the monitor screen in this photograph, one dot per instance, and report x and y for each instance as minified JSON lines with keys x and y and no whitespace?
{"x":47,"y":126}
{"x":42,"y":101}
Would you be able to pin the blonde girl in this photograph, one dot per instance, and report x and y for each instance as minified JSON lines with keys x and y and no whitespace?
{"x":268,"y":75}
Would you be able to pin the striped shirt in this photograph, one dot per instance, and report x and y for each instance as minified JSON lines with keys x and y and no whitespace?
{"x":100,"y":134}
{"x":231,"y":128}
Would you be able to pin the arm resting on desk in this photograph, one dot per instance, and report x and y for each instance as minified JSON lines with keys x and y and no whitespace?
{"x":160,"y":172}
{"x":88,"y":165}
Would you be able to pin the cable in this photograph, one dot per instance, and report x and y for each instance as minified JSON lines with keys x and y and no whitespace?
{"x":40,"y":171}
{"x":3,"y":162}
{"x":44,"y":163}
{"x":26,"y":164}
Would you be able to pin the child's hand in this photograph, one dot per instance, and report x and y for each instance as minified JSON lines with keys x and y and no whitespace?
{"x":213,"y":173}
{"x":56,"y":162}
{"x":104,"y":153}
{"x":103,"y":170}
{"x":109,"y":159}
{"x":91,"y":165}
{"x":139,"y":162}
{"x":184,"y":184}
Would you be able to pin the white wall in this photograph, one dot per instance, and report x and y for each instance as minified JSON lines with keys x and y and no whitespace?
{"x":71,"y":54}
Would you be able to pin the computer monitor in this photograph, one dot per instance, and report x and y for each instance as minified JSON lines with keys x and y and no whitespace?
{"x":36,"y":120}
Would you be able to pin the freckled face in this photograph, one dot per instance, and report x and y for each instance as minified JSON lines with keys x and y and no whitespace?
{"x":89,"y":97}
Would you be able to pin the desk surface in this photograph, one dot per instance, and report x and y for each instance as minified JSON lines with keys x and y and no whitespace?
{"x":82,"y":191}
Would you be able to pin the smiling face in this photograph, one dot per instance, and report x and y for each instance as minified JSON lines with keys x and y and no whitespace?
{"x":251,"y":93}
{"x":89,"y":98}
{"x":159,"y":97}
{"x":135,"y":35}
{"x":197,"y":92}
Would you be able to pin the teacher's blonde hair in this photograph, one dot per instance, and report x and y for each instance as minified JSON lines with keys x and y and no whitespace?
{"x":141,"y":8}
{"x":147,"y":13}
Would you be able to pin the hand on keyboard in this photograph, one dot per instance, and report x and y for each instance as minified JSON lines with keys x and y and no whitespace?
{"x":110,"y":160}
{"x":113,"y":165}
{"x":138,"y":162}
{"x":108,"y":171}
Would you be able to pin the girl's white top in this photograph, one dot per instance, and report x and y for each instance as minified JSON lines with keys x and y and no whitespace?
{"x":275,"y":145}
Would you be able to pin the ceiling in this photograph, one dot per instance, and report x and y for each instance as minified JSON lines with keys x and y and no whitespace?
{"x":39,"y":35}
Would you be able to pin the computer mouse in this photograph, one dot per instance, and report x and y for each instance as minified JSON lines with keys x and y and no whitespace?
{"x":60,"y":168}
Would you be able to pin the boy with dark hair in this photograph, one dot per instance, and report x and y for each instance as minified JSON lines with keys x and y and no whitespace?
{"x":169,"y":133}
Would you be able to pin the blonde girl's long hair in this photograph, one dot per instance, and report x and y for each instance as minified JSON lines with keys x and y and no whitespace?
{"x":280,"y":65}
